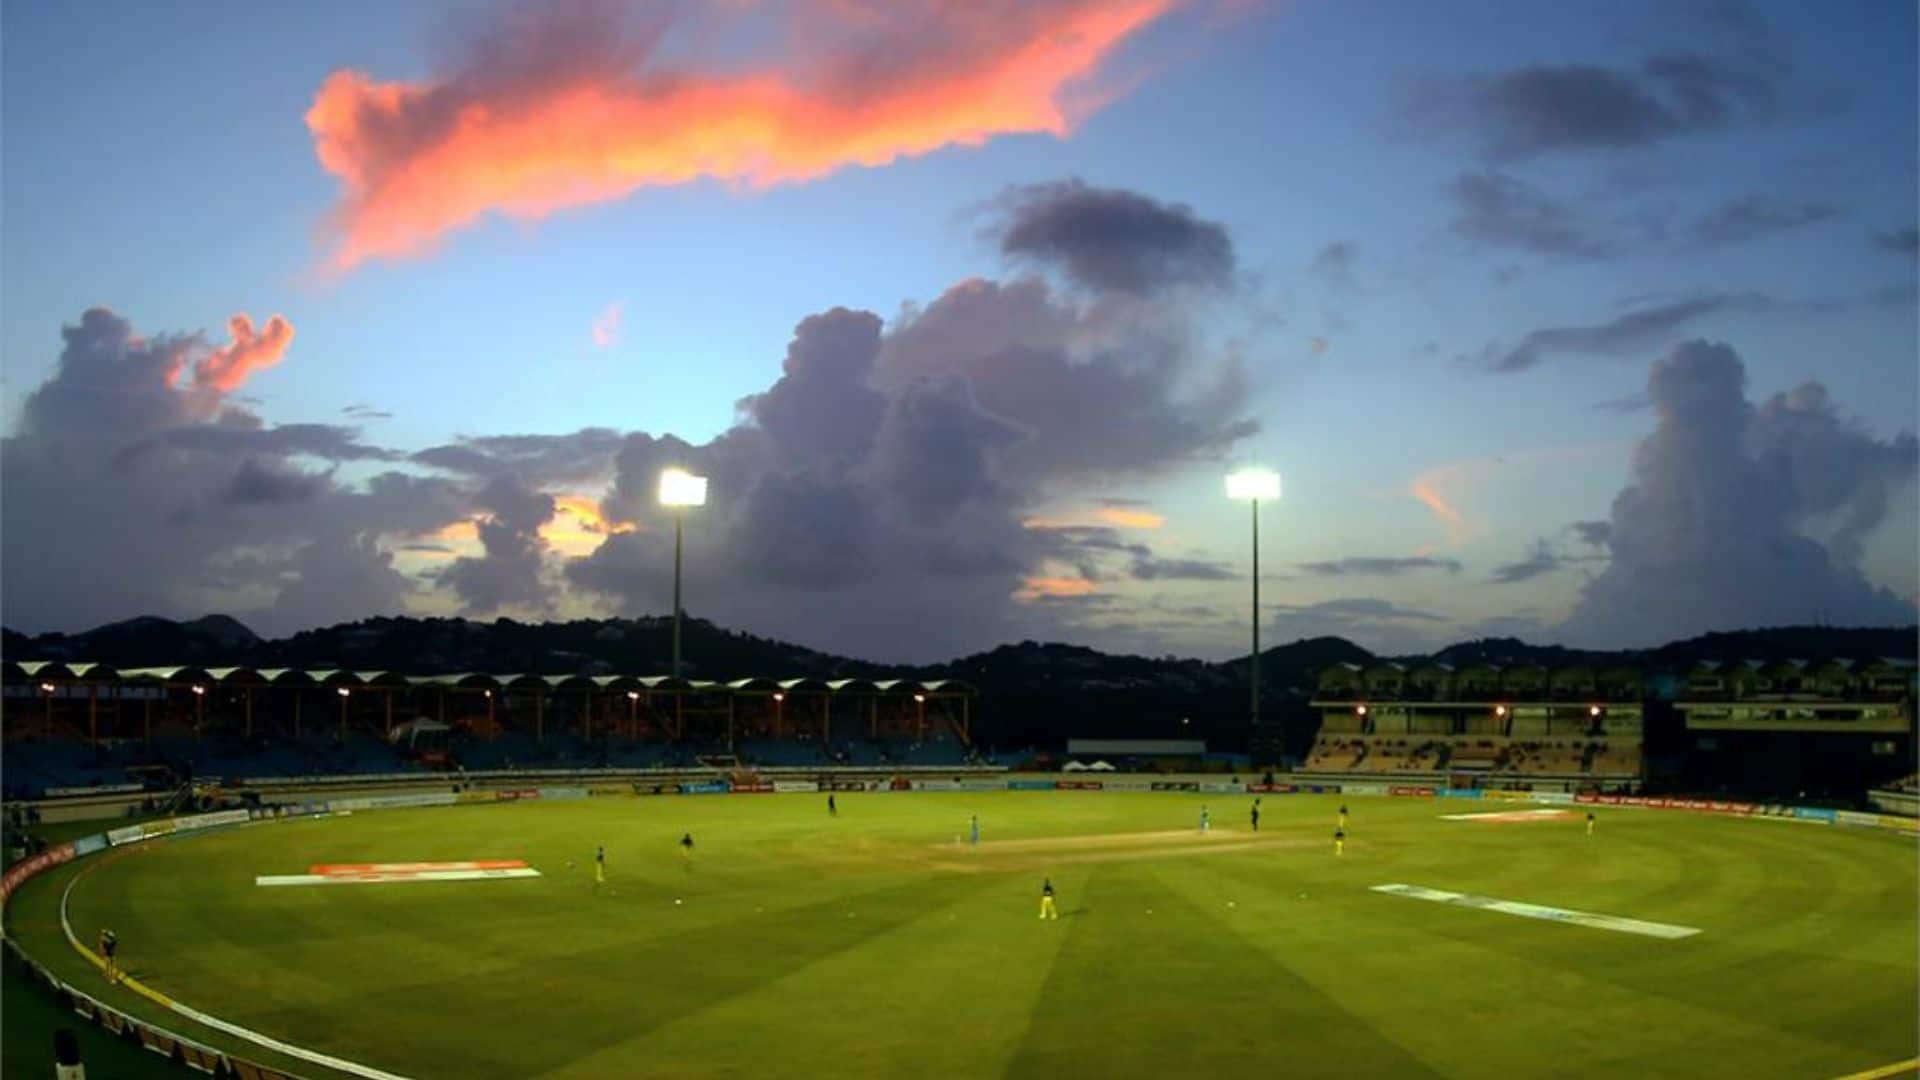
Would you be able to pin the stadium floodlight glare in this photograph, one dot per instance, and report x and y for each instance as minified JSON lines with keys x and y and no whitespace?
{"x":921,"y":698}
{"x":1499,"y":710}
{"x":778,"y":696}
{"x":1252,"y":485}
{"x":679,"y":489}
{"x":343,"y":691}
{"x":47,"y":688}
{"x":1359,"y":710}
{"x":1593,"y":710}
{"x":633,"y":695}
{"x":199,"y":690}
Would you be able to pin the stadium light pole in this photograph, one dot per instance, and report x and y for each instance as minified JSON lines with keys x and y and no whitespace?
{"x":679,"y":489}
{"x":1252,"y":485}
{"x":343,"y":694}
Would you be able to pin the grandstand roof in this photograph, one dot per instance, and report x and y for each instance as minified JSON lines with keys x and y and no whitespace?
{"x":34,"y":670}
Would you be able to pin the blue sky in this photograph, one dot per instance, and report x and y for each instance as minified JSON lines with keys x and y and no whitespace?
{"x":156,"y":163}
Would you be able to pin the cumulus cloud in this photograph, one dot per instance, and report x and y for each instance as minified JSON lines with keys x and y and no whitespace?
{"x":1718,"y":527}
{"x":227,"y":368}
{"x":228,"y":516}
{"x":1113,"y":240}
{"x":570,"y":104}
{"x":510,"y":573}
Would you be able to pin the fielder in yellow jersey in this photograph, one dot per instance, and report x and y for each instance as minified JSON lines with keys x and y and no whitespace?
{"x":1339,"y":841}
{"x":1589,"y":823}
{"x":1047,"y":910}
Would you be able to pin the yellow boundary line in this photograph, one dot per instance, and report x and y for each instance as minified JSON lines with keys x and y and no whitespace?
{"x":1895,"y":1069}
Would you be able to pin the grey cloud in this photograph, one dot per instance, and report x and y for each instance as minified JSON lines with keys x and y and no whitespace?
{"x":1333,"y":265}
{"x":1649,"y":326}
{"x":1547,"y":108}
{"x":1593,"y":533}
{"x":258,"y":483}
{"x":1540,"y":561}
{"x":366,"y":412}
{"x":510,"y":572}
{"x":1110,"y":240}
{"x":1713,"y":532}
{"x":1499,"y":210}
{"x":584,"y":456}
{"x":1755,"y":216}
{"x":1899,"y":241}
{"x":1379,"y":566}
{"x":1153,"y":569}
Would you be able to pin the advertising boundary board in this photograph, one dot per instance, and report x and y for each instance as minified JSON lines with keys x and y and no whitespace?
{"x":796,"y":787}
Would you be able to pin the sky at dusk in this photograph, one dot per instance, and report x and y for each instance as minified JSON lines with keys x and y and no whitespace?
{"x":1590,"y":323}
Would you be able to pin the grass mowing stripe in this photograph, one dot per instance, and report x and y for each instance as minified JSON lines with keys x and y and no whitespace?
{"x":214,"y":1022}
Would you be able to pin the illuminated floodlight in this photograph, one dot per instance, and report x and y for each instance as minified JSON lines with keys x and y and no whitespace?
{"x":1253,"y":484}
{"x":633,"y":695}
{"x":46,"y":688}
{"x":1499,"y":710}
{"x":921,"y":698}
{"x":199,"y":689}
{"x":779,"y":696}
{"x":1359,"y":710}
{"x":678,"y":487}
{"x":1593,"y":710}
{"x":343,"y":691}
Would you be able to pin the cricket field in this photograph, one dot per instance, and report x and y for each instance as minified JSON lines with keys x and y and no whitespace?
{"x":882,"y":942}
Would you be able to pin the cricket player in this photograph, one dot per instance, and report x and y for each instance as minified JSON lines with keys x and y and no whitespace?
{"x":1343,"y":815}
{"x":1589,"y":823}
{"x":686,"y":845}
{"x":1047,"y":910}
{"x":109,"y":946}
{"x":1205,"y":820}
{"x":600,"y":865}
{"x":1256,"y":815}
{"x":1339,"y":841}
{"x":833,"y":809}
{"x":973,"y":826}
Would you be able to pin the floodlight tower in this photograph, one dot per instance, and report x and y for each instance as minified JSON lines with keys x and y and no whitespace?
{"x":679,"y":489}
{"x":1252,"y":485}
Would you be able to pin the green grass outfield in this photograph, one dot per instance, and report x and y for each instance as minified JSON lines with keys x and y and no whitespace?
{"x":875,"y":944}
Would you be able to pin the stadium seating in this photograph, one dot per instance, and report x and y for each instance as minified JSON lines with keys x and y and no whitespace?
{"x":1491,"y":755}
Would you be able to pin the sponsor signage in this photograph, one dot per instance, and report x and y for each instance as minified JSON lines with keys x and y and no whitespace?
{"x":208,"y":821}
{"x":935,"y":785}
{"x":1363,"y":789}
{"x":705,"y":787}
{"x":1223,"y":787}
{"x":983,"y":785}
{"x":752,"y":787}
{"x":1175,"y":785}
{"x":1128,"y":785}
{"x":384,"y":802}
{"x":1030,"y":785}
{"x":640,"y":788}
{"x":1458,"y":793}
{"x":28,"y":867}
{"x":1403,"y":789}
{"x":87,"y":845}
{"x":1079,"y":785}
{"x":843,"y":785}
{"x":1814,"y":813}
{"x":1550,"y":798}
{"x":795,"y":787}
